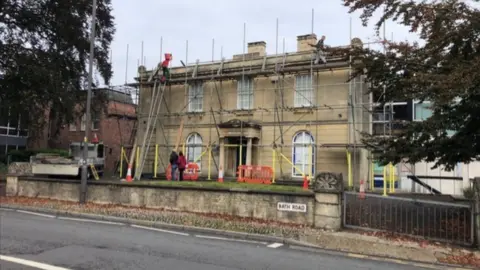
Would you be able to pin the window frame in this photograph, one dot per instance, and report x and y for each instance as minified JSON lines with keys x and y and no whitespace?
{"x":305,"y":91}
{"x":414,"y":104}
{"x":95,"y":120}
{"x":195,"y":98}
{"x":304,"y":146}
{"x":83,"y":122}
{"x":72,"y":126}
{"x":11,"y":130}
{"x":196,"y":146}
{"x":243,"y":92}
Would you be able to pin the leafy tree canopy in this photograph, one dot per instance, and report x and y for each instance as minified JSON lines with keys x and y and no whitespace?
{"x":44,"y":52}
{"x":443,"y":68}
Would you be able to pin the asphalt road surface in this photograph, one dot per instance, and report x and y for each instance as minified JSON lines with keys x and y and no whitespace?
{"x":32,"y":241}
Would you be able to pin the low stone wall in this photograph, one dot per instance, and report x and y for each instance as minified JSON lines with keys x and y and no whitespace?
{"x":321,"y":210}
{"x":20,"y":168}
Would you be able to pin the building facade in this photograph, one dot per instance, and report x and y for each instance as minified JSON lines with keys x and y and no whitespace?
{"x":447,"y":182}
{"x":281,"y":111}
{"x":113,"y":124}
{"x":13,"y":134}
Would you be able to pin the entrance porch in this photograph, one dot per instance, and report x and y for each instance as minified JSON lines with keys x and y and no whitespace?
{"x":237,"y":145}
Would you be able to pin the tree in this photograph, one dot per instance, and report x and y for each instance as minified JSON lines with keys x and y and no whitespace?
{"x":44,"y":50}
{"x":443,"y":68}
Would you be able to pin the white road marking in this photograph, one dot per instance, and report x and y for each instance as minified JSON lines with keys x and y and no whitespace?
{"x":91,"y":220}
{"x":33,"y":264}
{"x":36,"y":214}
{"x":6,"y":209}
{"x":275,"y":245}
{"x":229,"y":239}
{"x":159,"y":230}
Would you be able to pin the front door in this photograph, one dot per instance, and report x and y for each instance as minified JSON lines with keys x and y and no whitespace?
{"x":234,"y":155}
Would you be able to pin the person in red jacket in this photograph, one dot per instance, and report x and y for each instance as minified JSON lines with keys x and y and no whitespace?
{"x":165,"y":68}
{"x":182,"y":163}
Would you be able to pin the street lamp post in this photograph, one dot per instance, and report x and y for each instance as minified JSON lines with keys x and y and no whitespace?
{"x":83,"y":184}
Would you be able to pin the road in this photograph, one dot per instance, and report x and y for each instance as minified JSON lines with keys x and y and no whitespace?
{"x":82,"y":244}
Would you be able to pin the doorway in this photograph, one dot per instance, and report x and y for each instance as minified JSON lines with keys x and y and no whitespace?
{"x":233,"y":154}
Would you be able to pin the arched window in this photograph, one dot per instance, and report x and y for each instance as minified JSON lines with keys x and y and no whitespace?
{"x":303,"y":149}
{"x":194,"y":148}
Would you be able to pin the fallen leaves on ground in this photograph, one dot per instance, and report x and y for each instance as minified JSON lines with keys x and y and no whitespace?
{"x":209,"y":220}
{"x":401,"y":238}
{"x":389,"y":236}
{"x":221,"y":222}
{"x":469,"y":259}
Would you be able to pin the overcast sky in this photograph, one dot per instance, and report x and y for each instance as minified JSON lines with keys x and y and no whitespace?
{"x":200,"y":21}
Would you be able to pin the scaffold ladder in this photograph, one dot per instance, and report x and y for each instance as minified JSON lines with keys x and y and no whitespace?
{"x":94,"y":172}
{"x":155,"y":107}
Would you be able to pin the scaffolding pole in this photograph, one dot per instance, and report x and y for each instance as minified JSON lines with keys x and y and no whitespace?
{"x":151,"y":127}
{"x":243,"y":85}
{"x":277,"y":119}
{"x":135,"y":141}
{"x":161,"y":48}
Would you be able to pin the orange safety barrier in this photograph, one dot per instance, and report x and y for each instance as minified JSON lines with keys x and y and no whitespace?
{"x":190,"y":173}
{"x":255,"y":174}
{"x":168,"y":173}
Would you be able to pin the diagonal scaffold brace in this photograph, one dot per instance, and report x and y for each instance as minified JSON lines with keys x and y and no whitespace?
{"x":154,"y":110}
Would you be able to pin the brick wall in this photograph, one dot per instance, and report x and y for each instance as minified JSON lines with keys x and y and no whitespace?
{"x":114,"y":131}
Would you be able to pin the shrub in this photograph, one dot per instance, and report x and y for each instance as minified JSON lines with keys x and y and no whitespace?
{"x":469,"y":193}
{"x":3,"y":168}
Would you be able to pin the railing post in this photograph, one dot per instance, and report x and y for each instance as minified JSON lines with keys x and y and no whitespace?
{"x":372,"y":176}
{"x":476,"y":210}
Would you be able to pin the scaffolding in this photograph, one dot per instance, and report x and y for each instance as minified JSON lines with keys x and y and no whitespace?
{"x":281,"y":66}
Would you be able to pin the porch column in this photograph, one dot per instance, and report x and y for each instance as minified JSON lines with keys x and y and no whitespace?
{"x":249,"y":151}
{"x":221,"y":157}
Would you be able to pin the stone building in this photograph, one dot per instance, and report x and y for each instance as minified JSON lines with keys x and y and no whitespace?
{"x":245,"y":107}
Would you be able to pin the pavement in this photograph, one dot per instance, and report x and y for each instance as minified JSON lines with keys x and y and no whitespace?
{"x":30,"y":240}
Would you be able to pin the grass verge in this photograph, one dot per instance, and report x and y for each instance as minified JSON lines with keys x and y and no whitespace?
{"x":228,"y":185}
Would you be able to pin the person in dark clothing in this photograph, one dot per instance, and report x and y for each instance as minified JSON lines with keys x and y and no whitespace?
{"x":320,"y":47}
{"x":182,"y":163}
{"x":173,"y":164}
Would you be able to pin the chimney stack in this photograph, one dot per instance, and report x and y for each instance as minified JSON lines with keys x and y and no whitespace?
{"x":257,"y":47}
{"x":304,"y":41}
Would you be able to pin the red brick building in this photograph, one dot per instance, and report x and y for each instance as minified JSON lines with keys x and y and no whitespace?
{"x":113,"y":126}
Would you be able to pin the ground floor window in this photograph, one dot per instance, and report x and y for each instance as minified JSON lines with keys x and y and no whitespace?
{"x":303,"y":149}
{"x":194,"y":149}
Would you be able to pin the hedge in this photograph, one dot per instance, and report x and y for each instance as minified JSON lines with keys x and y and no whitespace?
{"x":24,"y":155}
